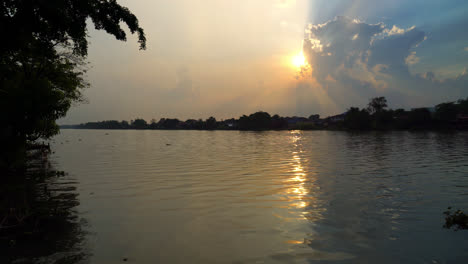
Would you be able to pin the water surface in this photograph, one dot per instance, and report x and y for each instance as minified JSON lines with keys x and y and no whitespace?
{"x":267,"y":197}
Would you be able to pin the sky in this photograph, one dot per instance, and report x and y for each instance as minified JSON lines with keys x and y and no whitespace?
{"x":226,"y":58}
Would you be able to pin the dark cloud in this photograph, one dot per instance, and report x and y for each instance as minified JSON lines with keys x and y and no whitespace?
{"x":338,"y":43}
{"x":394,"y":48}
{"x":352,"y":61}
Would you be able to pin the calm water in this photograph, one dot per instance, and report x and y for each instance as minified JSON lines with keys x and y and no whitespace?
{"x":267,"y":197}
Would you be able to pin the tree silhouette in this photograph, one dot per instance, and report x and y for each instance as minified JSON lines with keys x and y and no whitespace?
{"x":446,"y":112}
{"x":139,"y":124}
{"x":211,"y":123}
{"x":377,"y":104}
{"x":420,"y":118}
{"x":42,"y":63}
{"x":463,"y":106}
{"x":357,"y":119}
{"x":256,"y":121}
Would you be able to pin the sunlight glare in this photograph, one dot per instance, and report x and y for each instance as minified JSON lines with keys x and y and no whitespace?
{"x":299,"y":60}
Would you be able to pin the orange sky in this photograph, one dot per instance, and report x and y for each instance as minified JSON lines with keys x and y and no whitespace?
{"x":203,"y":58}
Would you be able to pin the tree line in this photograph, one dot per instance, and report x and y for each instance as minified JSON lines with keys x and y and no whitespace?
{"x":375,"y":116}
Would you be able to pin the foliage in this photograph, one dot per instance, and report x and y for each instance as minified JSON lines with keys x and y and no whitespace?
{"x":446,"y":112}
{"x":357,"y":119}
{"x":463,"y":106}
{"x":45,"y":23}
{"x":139,"y":123}
{"x":382,"y":119}
{"x":278,"y":122}
{"x":376,"y":105}
{"x":37,"y":93}
{"x":256,"y":121}
{"x":168,"y":123}
{"x":354,"y":119}
{"x":419,"y":118}
{"x":211,"y":123}
{"x":42,"y":62}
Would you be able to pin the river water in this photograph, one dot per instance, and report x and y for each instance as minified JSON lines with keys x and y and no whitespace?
{"x":267,"y":197}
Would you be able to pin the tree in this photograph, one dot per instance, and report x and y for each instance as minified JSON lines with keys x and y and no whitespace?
{"x":49,"y":23}
{"x":382,"y":119}
{"x":377,"y":104}
{"x":314,"y":117}
{"x":256,"y":121}
{"x":124,"y":124}
{"x":446,"y":112}
{"x":401,"y":119}
{"x":139,"y":124}
{"x":168,"y":123}
{"x":357,"y":119}
{"x":278,"y":122}
{"x":42,"y":62}
{"x":211,"y":123}
{"x":463,"y":106}
{"x":420,"y":118}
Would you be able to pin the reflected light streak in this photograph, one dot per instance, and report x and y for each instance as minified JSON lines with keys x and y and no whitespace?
{"x":298,"y":191}
{"x":301,"y":184}
{"x":303,"y":203}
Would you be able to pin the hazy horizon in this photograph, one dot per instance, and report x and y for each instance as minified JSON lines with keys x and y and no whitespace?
{"x":226,"y":59}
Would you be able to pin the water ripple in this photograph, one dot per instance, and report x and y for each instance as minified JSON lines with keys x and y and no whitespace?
{"x":269,"y":197}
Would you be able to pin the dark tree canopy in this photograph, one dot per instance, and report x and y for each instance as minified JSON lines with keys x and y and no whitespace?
{"x":139,"y":123}
{"x":42,"y":56}
{"x":377,"y":104}
{"x":211,"y":123}
{"x":353,"y":119}
{"x":420,"y":117}
{"x":357,"y":119}
{"x":447,"y":112}
{"x":256,"y":121}
{"x":463,"y":106}
{"x":52,"y":22}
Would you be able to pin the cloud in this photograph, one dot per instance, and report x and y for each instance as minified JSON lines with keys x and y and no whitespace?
{"x":354,"y":60}
{"x":412,"y":59}
{"x":396,"y":31}
{"x":393,"y":49}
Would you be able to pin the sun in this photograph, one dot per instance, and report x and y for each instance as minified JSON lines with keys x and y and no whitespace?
{"x":299,"y":60}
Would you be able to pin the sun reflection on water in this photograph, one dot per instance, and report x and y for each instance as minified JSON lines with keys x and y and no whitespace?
{"x":301,"y":192}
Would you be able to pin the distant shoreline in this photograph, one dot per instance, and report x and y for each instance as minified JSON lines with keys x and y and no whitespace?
{"x":69,"y":127}
{"x":375,"y":117}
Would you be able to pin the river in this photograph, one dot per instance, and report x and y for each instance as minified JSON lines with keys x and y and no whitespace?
{"x":153,"y":196}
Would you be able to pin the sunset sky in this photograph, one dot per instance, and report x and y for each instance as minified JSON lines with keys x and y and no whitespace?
{"x":288,"y":57}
